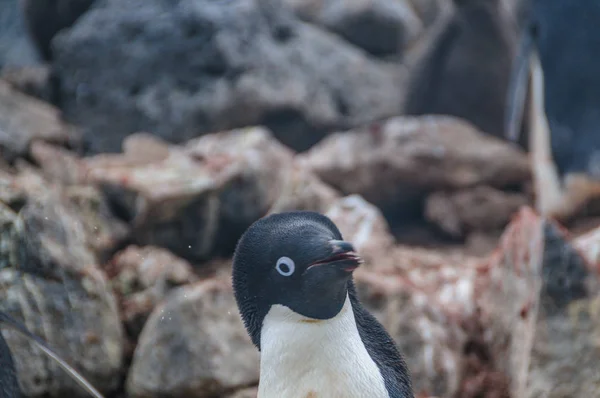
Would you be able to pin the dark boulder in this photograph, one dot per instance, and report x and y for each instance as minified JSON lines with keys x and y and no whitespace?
{"x":181,"y":69}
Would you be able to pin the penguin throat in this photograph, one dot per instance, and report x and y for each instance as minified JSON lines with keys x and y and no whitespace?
{"x":326,"y":358}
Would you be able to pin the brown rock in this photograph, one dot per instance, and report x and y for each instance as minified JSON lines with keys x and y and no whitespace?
{"x":391,"y":162}
{"x":508,"y":292}
{"x":539,"y":302}
{"x":49,"y":280}
{"x":362,"y":224}
{"x":251,"y":392}
{"x":424,"y":300}
{"x":31,"y":80}
{"x":566,"y":348}
{"x":58,"y":164}
{"x":194,"y":345}
{"x":24,"y":119}
{"x":477,"y":209}
{"x":198,"y":199}
{"x":81,"y":207}
{"x":142,"y":277}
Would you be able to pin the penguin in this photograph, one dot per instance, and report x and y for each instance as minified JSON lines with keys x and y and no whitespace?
{"x":558,"y":53}
{"x":464,"y":67}
{"x":46,"y":18}
{"x":9,"y":387}
{"x":293,"y":285}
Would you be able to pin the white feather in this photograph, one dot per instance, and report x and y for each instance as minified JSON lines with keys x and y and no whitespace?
{"x":306,"y":358}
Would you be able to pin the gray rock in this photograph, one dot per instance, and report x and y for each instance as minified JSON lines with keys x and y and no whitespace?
{"x":181,"y":69}
{"x":142,"y":277}
{"x":198,"y":199}
{"x":194,"y":346}
{"x":389,"y":162}
{"x":25,"y":119}
{"x":566,"y":349}
{"x":380,"y":27}
{"x":478,"y":209}
{"x":362,"y":224}
{"x":50,"y":281}
{"x":9,"y":383}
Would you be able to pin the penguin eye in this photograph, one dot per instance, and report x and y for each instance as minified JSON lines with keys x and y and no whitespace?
{"x":285,"y":266}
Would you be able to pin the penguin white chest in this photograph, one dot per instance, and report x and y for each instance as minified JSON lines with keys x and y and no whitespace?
{"x":305,"y":358}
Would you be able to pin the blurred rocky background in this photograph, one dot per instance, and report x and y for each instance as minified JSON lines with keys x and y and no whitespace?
{"x":140,"y":138}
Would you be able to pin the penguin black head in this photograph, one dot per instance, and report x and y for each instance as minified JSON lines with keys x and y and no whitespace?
{"x":296,"y":259}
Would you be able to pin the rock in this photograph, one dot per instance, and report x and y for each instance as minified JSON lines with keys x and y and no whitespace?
{"x":508,"y":293}
{"x":478,"y":209}
{"x":251,"y":392}
{"x":142,"y":277}
{"x":80,"y":206}
{"x":423,"y":299}
{"x":546,"y":297}
{"x":44,"y":19}
{"x":362,"y":224}
{"x":197,"y":200}
{"x":568,"y":326}
{"x":430,"y":10}
{"x":502,"y":326}
{"x":49,"y":280}
{"x":57,"y":163}
{"x":16,"y":47}
{"x":222,"y":65}
{"x":194,"y":345}
{"x":24,"y":119}
{"x":406,"y":157}
{"x":9,"y":383}
{"x":380,"y":27}
{"x":35,"y":81}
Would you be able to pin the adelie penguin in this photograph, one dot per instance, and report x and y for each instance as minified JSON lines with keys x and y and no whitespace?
{"x":292,"y":278}
{"x":559,"y":59}
{"x":9,"y":386}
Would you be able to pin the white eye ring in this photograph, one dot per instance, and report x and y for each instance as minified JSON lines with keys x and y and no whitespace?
{"x":285,"y":266}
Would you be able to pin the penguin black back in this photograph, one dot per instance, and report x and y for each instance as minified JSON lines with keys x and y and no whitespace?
{"x":382,"y":349}
{"x":292,"y":279}
{"x":565,"y":36}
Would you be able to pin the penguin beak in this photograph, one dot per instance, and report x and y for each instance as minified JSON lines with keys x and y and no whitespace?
{"x":343,"y":257}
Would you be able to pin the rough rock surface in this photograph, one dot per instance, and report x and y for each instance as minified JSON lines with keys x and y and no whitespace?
{"x":49,"y":280}
{"x":362,"y":224}
{"x":566,"y":348}
{"x":35,"y":81}
{"x":391,"y":161}
{"x":24,"y":119}
{"x":479,"y":209}
{"x":430,"y":10}
{"x":422,"y":299}
{"x":492,"y":326}
{"x":194,"y":345}
{"x":221,"y":65}
{"x":142,"y":277}
{"x":380,"y":27}
{"x":198,"y":199}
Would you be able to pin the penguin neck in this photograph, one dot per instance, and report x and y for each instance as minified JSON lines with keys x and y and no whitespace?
{"x":301,"y":356}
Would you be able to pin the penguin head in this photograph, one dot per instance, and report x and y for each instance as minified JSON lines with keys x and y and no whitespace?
{"x":295,"y":259}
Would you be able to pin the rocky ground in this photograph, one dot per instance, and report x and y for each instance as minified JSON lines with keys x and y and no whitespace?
{"x":133,"y":160}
